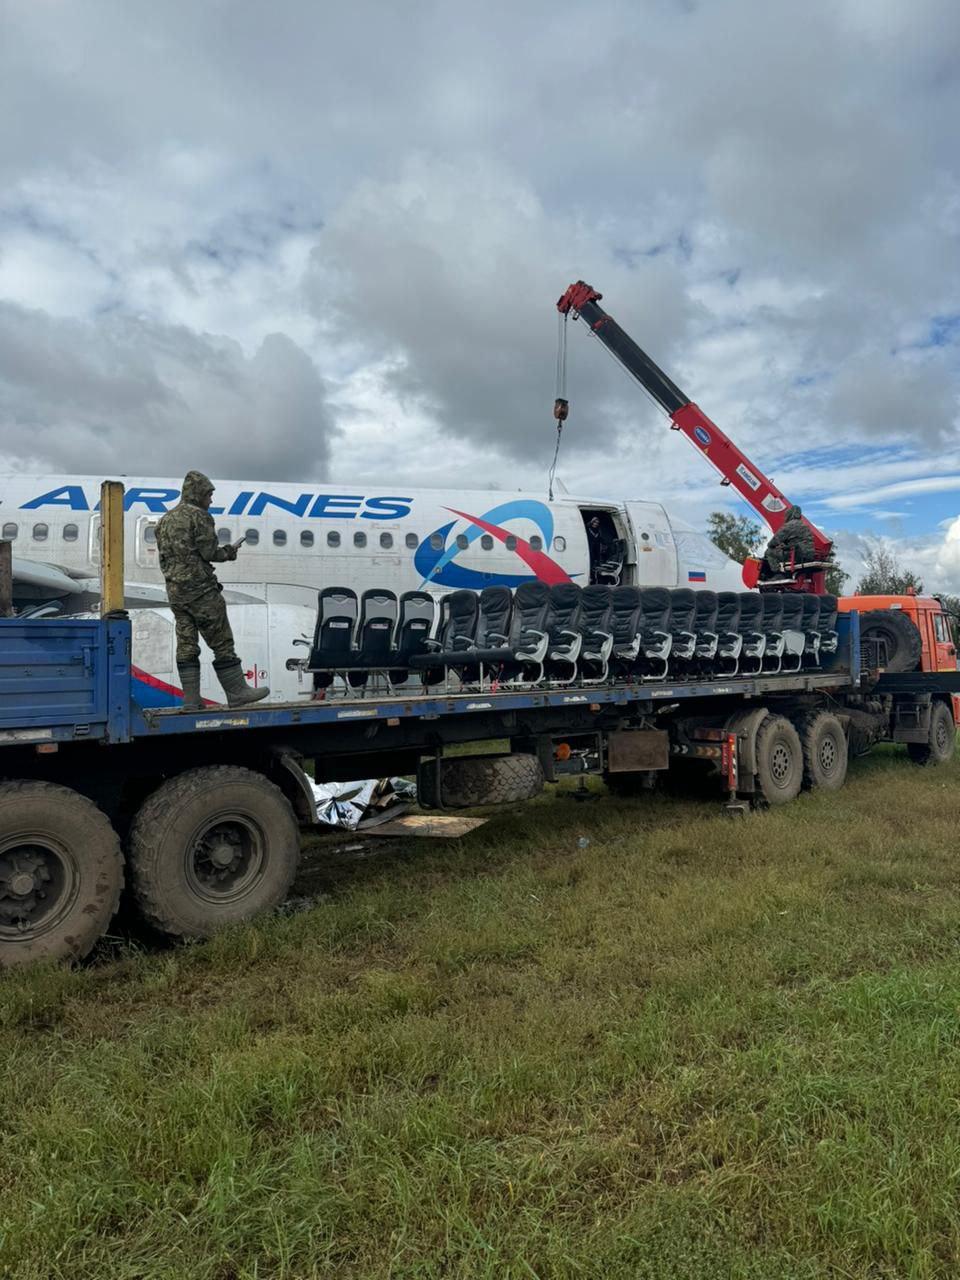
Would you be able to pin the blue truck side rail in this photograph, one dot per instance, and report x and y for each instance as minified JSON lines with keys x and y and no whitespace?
{"x":65,"y":679}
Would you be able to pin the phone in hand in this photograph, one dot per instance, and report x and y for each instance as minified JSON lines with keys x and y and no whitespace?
{"x":239,"y":543}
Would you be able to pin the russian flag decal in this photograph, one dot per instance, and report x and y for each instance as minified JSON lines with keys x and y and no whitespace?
{"x":696,"y":575}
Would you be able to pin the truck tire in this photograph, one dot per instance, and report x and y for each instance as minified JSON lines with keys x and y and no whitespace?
{"x":903,"y":641}
{"x":824,"y":750}
{"x":61,"y":873}
{"x":471,"y":781}
{"x":210,"y":848}
{"x":940,"y":745}
{"x":779,"y":757}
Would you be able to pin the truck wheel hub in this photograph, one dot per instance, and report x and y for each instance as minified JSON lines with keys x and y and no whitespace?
{"x":224,"y":859}
{"x":780,"y":763}
{"x":37,"y":884}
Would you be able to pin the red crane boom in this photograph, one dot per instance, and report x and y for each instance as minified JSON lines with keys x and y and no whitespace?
{"x":715,"y":445}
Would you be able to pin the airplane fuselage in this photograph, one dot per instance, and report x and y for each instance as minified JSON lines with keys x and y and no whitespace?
{"x":313,"y":535}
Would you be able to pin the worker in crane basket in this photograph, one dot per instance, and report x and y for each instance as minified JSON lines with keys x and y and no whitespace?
{"x":188,"y":546}
{"x":793,"y":537}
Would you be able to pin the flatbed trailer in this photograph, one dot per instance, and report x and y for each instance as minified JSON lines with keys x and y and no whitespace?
{"x":200,"y":811}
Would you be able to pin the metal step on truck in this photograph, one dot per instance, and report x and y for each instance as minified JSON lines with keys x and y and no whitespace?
{"x":200,"y":811}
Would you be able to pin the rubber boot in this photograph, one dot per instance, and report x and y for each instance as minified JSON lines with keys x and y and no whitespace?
{"x":190,"y":683}
{"x":239,"y":693}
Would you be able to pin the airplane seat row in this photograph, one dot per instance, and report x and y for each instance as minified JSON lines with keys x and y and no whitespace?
{"x":561,"y":633}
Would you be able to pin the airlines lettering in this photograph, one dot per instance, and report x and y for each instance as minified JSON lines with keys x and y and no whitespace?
{"x":306,"y":506}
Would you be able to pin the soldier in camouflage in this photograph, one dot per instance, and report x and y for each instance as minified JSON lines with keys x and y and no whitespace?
{"x":188,"y":547}
{"x":792,"y":536}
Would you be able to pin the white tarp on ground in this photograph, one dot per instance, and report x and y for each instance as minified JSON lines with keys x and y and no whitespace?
{"x":349,"y":805}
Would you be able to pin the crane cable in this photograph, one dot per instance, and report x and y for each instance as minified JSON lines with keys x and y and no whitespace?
{"x":560,"y":404}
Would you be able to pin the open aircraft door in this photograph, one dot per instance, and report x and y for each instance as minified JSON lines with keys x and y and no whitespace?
{"x":651,"y":558}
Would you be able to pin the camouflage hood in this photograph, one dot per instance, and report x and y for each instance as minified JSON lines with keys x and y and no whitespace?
{"x":792,"y":513}
{"x":195,"y":486}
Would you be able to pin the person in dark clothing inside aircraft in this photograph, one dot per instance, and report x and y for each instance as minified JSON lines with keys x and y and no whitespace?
{"x":599,"y":545}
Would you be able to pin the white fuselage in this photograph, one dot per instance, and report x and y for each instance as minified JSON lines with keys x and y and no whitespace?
{"x":320,"y":535}
{"x":302,"y":537}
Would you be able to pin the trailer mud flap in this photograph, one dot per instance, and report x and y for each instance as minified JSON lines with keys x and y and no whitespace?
{"x":634,"y":750}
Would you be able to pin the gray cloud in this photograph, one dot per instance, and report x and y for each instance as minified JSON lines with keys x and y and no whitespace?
{"x":130,"y":396}
{"x":395,"y":195}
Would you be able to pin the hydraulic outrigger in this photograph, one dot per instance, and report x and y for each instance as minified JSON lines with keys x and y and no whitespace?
{"x":734,"y":466}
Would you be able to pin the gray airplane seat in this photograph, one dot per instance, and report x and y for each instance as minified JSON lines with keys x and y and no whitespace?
{"x":811,"y":630}
{"x":456,"y":634}
{"x":332,"y":649}
{"x":490,"y":649}
{"x":752,"y":633}
{"x":791,"y":628}
{"x":418,"y":611}
{"x":705,"y":628}
{"x":656,"y":638}
{"x":729,"y":638}
{"x":563,"y":632}
{"x":528,"y":638}
{"x":626,"y":624}
{"x":827,"y":624}
{"x":596,"y":608}
{"x":378,"y":621}
{"x":773,"y":631}
{"x":610,"y":569}
{"x":683,"y":608}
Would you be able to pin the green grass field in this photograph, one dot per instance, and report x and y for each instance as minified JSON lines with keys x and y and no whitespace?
{"x":697,"y":1047}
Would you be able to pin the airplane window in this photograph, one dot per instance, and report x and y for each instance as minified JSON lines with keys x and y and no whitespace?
{"x":511,"y":543}
{"x":436,"y":541}
{"x":359,"y":539}
{"x":536,"y":543}
{"x":149,"y":534}
{"x":223,"y":536}
{"x":9,"y":532}
{"x":70,"y":533}
{"x":306,"y":538}
{"x":412,"y":541}
{"x":486,"y":541}
{"x":333,"y":538}
{"x":645,"y":537}
{"x":463,"y":541}
{"x":252,"y":536}
{"x":40,"y":532}
{"x":279,"y":537}
{"x":386,"y":541}
{"x":559,"y":543}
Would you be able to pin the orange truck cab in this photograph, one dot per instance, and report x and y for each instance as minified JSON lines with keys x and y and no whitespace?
{"x":939,"y":652}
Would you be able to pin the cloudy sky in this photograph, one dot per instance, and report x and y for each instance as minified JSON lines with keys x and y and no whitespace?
{"x":302,"y":239}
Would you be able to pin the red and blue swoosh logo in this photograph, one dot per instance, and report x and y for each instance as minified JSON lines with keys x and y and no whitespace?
{"x":437,"y":564}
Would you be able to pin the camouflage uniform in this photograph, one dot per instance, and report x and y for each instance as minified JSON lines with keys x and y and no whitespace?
{"x":793,"y":535}
{"x":187,"y":543}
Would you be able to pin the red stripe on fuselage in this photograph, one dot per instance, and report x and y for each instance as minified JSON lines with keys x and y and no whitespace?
{"x":154,"y":682}
{"x":547,"y":570}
